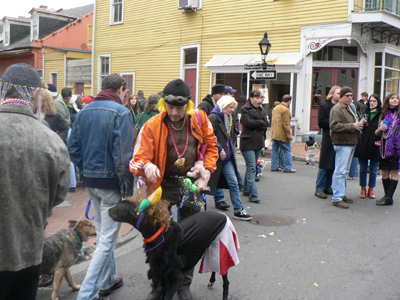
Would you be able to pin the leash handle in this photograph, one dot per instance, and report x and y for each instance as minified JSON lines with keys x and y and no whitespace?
{"x":87,"y":210}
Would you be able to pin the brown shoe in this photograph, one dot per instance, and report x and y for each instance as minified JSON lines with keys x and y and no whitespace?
{"x":347,"y":200}
{"x":290,"y":171}
{"x":371,"y":193}
{"x":363,"y":192}
{"x":118,"y":283}
{"x":340,"y":204}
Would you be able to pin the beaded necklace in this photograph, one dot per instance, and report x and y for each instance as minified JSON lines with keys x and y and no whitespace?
{"x":15,"y":102}
{"x":180,"y":162}
{"x":228,"y":124}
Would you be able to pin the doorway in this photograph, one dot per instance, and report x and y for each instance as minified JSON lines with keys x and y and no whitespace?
{"x":323,"y":80}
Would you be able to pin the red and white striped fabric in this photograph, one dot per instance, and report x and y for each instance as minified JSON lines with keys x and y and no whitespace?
{"x":223,"y":251}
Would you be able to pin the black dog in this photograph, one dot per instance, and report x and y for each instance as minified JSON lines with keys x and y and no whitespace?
{"x":177,"y":250}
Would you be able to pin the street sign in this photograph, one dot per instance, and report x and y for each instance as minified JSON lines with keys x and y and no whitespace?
{"x":266,"y":74}
{"x":252,"y":66}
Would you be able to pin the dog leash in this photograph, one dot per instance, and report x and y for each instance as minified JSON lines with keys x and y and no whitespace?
{"x":87,"y":210}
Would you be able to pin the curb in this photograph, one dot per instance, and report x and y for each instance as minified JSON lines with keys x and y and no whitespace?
{"x":127,"y":237}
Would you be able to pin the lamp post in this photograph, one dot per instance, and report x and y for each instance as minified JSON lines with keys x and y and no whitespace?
{"x":265,"y":46}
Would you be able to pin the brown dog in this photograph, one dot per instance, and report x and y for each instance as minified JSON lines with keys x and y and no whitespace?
{"x":62,"y":250}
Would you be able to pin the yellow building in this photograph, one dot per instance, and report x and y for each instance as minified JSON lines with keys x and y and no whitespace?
{"x":315,"y":45}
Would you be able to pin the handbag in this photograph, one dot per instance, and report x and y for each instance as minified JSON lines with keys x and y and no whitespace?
{"x":136,"y":129}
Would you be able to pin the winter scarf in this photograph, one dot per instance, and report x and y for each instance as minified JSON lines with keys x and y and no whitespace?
{"x":108,"y":95}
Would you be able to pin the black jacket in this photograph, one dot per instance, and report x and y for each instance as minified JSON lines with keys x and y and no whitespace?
{"x":327,"y":154}
{"x":217,"y":178}
{"x":207,"y":104}
{"x":57,"y":124}
{"x":254,"y":126}
{"x":367,"y":149}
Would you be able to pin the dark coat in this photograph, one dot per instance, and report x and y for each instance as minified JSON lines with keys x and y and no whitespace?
{"x":327,"y":154}
{"x":367,"y":149}
{"x":217,"y":178}
{"x":207,"y":104}
{"x":57,"y":124}
{"x":255,"y":123}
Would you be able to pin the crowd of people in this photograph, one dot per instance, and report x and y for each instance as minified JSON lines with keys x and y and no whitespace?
{"x":91,"y":141}
{"x":362,"y":135}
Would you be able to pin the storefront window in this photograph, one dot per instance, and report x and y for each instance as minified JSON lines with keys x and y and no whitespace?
{"x":391,"y":71}
{"x":336,"y":53}
{"x":391,"y":81}
{"x":377,"y":81}
{"x":378,"y":59}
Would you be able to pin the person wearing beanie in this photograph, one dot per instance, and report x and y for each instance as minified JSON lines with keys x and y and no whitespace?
{"x":35,"y":177}
{"x":226,"y":174}
{"x":87,"y":100}
{"x":323,"y":185}
{"x":208,"y":103}
{"x":345,"y":128}
{"x":101,"y":144}
{"x":52,"y":90}
{"x":311,"y":147}
{"x":179,"y":141}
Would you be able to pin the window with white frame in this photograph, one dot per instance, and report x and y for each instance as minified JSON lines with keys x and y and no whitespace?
{"x":117,"y":12}
{"x":104,"y":67}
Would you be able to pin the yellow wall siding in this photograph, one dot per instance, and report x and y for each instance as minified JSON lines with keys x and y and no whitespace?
{"x":149,"y":42}
{"x":54,"y":62}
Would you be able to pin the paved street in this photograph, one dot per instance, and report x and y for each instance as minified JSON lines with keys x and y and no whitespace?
{"x":325,"y":253}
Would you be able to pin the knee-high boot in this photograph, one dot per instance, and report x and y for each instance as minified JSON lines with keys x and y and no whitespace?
{"x":390,"y":187}
{"x":386,"y":184}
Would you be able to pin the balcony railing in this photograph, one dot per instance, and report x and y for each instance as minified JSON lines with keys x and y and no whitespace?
{"x":392,"y":6}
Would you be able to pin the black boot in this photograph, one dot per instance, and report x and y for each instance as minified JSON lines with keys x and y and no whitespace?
{"x":391,"y":187}
{"x":386,"y":184}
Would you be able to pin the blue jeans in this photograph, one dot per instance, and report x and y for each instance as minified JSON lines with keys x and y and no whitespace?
{"x":249,"y":184}
{"x":343,"y":158}
{"x":287,"y":151}
{"x":354,"y":168}
{"x":324,"y":179}
{"x":230,"y":176}
{"x":281,"y":158}
{"x":102,"y":272}
{"x":72,"y":174}
{"x":219,"y":195}
{"x":373,"y":169}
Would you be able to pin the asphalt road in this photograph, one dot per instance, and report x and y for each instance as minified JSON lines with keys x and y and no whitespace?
{"x":325,"y":253}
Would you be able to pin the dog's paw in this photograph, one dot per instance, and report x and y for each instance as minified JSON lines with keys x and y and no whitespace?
{"x":76,"y":287}
{"x":210,"y":284}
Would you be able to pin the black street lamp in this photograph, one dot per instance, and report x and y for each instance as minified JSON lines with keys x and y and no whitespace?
{"x":265,"y":46}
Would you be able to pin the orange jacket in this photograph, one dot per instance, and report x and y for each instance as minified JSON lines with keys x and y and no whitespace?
{"x":152,"y":140}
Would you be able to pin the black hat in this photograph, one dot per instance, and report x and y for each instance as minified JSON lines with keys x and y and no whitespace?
{"x":218,"y":88}
{"x":177,"y":93}
{"x":22,"y":75}
{"x":344,"y":90}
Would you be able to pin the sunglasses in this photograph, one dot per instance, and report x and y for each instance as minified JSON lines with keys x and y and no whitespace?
{"x":179,"y":99}
{"x":349,"y":96}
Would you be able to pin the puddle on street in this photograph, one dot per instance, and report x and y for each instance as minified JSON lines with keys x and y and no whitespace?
{"x":272,"y":220}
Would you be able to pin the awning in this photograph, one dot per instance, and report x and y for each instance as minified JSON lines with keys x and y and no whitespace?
{"x":234,"y":63}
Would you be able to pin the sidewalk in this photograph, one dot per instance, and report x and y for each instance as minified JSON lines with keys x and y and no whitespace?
{"x":74,"y":206}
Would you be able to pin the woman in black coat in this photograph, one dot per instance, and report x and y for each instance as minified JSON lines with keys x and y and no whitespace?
{"x":369,"y":147}
{"x":225,"y":176}
{"x":252,"y":139}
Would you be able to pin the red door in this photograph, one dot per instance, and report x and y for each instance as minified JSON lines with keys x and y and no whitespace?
{"x":79,"y":89}
{"x":129,"y":84}
{"x":190,"y":79}
{"x":323,"y":80}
